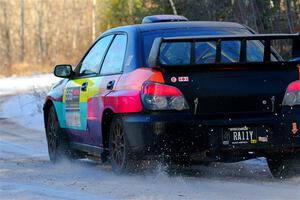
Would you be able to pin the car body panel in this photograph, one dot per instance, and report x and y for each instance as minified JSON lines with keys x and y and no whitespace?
{"x":84,"y":121}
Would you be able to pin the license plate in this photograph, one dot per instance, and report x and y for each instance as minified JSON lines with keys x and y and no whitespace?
{"x":239,"y":135}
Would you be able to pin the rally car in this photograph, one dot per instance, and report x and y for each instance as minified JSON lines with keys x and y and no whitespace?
{"x":194,"y":92}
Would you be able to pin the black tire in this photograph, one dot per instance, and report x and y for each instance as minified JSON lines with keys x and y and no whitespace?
{"x":58,"y":145}
{"x":284,"y":166}
{"x":121,"y":157}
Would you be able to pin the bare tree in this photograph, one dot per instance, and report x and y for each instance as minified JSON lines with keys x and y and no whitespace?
{"x":39,"y":32}
{"x":288,"y":15}
{"x":94,"y":20}
{"x":6,"y":34}
{"x":173,"y":7}
{"x":22,"y":48}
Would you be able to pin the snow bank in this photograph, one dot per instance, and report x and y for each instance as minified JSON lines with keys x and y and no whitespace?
{"x":25,"y":107}
{"x":13,"y":85}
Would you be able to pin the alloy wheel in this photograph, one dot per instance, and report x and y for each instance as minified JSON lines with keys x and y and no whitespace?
{"x":118,"y":145}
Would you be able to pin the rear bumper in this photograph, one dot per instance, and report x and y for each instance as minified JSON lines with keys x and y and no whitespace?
{"x":152,"y":133}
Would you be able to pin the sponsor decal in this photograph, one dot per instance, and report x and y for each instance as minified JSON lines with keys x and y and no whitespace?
{"x":76,"y":92}
{"x":294,"y":128}
{"x":173,"y":79}
{"x":263,"y":139}
{"x":253,"y":141}
{"x":183,"y":79}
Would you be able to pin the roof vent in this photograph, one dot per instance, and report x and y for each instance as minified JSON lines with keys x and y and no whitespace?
{"x":164,"y":18}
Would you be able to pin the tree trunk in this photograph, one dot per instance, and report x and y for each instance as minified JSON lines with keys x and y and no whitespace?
{"x":288,"y":15}
{"x":21,"y":50}
{"x":94,"y":20}
{"x":173,"y":7}
{"x":7,"y":64}
{"x":39,"y":33}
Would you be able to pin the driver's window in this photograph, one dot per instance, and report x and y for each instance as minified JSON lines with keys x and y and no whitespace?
{"x":91,"y":63}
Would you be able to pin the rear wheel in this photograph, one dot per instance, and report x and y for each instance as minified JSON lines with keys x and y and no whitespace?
{"x":284,"y":166}
{"x":58,"y":145}
{"x":121,"y":157}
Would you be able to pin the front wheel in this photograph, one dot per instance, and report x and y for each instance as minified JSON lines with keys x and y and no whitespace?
{"x":284,"y":166}
{"x":58,"y":146}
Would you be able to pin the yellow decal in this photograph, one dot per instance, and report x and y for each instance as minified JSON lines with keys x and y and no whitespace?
{"x":253,"y":141}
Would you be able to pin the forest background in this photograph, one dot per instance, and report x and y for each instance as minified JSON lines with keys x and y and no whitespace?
{"x":37,"y":34}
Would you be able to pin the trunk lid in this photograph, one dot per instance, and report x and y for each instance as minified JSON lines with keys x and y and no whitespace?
{"x":232,"y":91}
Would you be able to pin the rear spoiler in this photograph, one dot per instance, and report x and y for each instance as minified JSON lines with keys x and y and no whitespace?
{"x":265,"y":38}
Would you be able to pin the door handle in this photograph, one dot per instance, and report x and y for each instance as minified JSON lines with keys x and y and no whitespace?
{"x":84,"y":86}
{"x":110,"y":85}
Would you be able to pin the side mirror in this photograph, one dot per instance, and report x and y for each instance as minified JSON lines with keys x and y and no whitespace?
{"x":63,"y":71}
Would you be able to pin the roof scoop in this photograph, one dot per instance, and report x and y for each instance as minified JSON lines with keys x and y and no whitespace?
{"x":163,"y":18}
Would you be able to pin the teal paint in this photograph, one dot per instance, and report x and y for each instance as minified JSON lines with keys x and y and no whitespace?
{"x":60,"y":111}
{"x":61,"y":115}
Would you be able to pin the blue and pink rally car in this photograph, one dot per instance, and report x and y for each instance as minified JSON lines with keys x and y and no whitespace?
{"x":180,"y":91}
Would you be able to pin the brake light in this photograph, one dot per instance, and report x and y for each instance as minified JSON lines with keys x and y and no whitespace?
{"x":292,"y":95}
{"x":156,"y":96}
{"x":294,"y":87}
{"x":160,"y":90}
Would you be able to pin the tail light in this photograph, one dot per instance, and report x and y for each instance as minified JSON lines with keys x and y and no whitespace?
{"x":292,"y":95}
{"x":156,"y":96}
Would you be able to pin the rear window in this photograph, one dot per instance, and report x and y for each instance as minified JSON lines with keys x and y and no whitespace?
{"x":179,"y":53}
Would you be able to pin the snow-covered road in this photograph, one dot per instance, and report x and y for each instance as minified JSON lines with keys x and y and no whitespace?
{"x":26,"y":173}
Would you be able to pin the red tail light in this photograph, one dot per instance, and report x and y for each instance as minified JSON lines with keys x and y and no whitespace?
{"x":292,"y":95}
{"x":294,"y":86}
{"x":156,"y":96}
{"x":160,"y":90}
